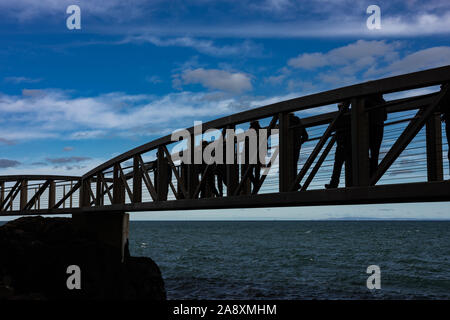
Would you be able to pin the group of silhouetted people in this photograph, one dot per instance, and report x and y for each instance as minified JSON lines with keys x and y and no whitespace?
{"x":207,"y":174}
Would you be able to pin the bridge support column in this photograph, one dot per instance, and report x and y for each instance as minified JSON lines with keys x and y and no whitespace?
{"x":110,"y":228}
{"x":360,"y":143}
{"x":434,"y":148}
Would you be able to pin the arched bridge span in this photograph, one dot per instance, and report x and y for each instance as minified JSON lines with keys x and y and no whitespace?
{"x":411,"y":165}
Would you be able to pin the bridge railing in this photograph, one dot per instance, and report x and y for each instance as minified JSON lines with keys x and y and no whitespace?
{"x":38,"y":192}
{"x":151,"y":177}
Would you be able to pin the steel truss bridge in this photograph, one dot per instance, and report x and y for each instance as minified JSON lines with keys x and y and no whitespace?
{"x":149,"y":177}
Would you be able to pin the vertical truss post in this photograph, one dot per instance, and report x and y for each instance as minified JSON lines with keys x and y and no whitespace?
{"x":118,"y":186}
{"x":182,"y":172}
{"x":162,"y":170}
{"x":286,"y":157}
{"x":232,"y":170}
{"x":23,"y":194}
{"x":85,"y":197}
{"x":71,"y":201}
{"x":2,"y":191}
{"x":192,"y":178}
{"x":245,"y":181}
{"x":434,"y":148}
{"x":39,"y":199}
{"x":64,"y":196}
{"x":360,"y":143}
{"x":99,"y":190}
{"x":34,"y":206}
{"x":137,"y":181}
{"x":51,"y":194}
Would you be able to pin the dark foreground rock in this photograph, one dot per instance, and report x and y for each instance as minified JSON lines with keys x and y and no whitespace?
{"x":35,"y":253}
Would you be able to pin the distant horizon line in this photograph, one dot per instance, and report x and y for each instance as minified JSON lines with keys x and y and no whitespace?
{"x":272,"y":220}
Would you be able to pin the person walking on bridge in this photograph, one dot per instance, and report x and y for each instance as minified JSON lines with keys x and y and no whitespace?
{"x":163,"y":176}
{"x":377,"y":117}
{"x":300,"y":136}
{"x":343,"y":152}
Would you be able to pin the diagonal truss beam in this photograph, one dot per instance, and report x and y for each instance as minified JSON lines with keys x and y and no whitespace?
{"x":75,"y":187}
{"x":106,"y":188}
{"x":12,"y":194}
{"x":37,"y":195}
{"x":124,"y":180}
{"x":317,"y":149}
{"x":319,"y":163}
{"x":408,"y":135}
{"x":180,"y":180}
{"x":266,"y":171}
{"x":148,"y":182}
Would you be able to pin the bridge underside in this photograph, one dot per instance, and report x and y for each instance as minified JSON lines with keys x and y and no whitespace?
{"x":396,"y":193}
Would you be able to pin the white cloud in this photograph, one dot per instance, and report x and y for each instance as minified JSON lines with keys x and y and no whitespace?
{"x":153,"y":79}
{"x":240,"y":19}
{"x":234,"y":82}
{"x":18,"y":80}
{"x":28,"y":10}
{"x":275,"y":79}
{"x":45,"y":169}
{"x":205,"y":46}
{"x":365,"y":60}
{"x":423,"y":23}
{"x":423,"y":59}
{"x":359,"y":54}
{"x":55,"y":114}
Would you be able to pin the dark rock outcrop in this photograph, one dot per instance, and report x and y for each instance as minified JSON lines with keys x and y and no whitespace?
{"x":35,"y":253}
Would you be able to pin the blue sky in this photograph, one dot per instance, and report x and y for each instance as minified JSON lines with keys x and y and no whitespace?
{"x":137,"y":70}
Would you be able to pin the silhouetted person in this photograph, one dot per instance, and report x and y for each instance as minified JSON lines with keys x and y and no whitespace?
{"x":163,"y":176}
{"x":377,"y":117}
{"x":220,"y":170}
{"x":183,"y":174}
{"x":343,"y":153}
{"x":207,"y":176}
{"x":300,"y":135}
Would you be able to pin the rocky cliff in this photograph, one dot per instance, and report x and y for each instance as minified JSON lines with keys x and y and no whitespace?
{"x":35,"y":253}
